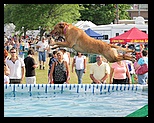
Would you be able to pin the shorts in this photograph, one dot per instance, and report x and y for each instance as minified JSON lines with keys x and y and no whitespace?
{"x":31,"y":80}
{"x":59,"y":82}
{"x":42,"y":56}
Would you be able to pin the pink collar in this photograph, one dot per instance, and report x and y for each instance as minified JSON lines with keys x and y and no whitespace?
{"x":65,"y":29}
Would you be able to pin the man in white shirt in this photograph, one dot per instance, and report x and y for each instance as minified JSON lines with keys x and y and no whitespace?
{"x":42,"y":50}
{"x":16,"y":66}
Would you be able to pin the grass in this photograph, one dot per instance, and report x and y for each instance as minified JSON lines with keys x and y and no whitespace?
{"x":42,"y":75}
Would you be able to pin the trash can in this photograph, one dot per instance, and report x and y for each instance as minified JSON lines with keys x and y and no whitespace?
{"x":92,"y":58}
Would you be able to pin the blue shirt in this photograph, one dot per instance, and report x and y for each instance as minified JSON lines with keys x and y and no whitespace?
{"x":143,"y":60}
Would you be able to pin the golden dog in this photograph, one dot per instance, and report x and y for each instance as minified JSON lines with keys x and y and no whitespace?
{"x":78,"y":40}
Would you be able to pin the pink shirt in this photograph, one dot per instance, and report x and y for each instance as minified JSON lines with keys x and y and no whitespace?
{"x":119,"y":70}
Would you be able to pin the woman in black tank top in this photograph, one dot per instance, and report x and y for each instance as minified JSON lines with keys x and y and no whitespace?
{"x":59,"y":72}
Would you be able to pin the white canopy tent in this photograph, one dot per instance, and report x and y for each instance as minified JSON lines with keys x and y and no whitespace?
{"x":84,"y":25}
{"x":9,"y":29}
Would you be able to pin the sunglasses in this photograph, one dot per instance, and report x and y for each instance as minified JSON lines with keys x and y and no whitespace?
{"x":13,"y":52}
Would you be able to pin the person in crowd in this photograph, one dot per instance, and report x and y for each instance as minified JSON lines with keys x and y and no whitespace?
{"x":99,"y":71}
{"x":142,"y":79}
{"x":138,"y":51}
{"x":119,"y":72}
{"x":59,"y":73}
{"x":6,"y":78}
{"x":42,"y":49}
{"x":66,"y":55}
{"x":26,"y":45}
{"x":51,"y":61}
{"x":79,"y":62}
{"x":23,"y":45}
{"x":130,"y":68}
{"x":16,"y":66}
{"x":146,"y":47}
{"x":30,"y":66}
{"x":7,"y":46}
{"x":7,"y":70}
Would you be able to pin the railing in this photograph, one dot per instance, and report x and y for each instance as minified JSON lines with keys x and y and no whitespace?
{"x":93,"y":88}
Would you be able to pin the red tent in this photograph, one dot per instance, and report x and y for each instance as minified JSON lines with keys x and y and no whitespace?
{"x":134,"y":35}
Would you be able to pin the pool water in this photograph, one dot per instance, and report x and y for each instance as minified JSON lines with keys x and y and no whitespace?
{"x":72,"y":104}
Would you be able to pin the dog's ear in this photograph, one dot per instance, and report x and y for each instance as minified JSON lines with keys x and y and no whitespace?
{"x":61,"y":25}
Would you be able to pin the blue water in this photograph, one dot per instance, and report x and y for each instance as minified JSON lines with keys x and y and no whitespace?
{"x":71,"y":104}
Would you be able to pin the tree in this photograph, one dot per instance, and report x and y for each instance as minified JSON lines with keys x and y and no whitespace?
{"x":104,"y":13}
{"x":31,"y":16}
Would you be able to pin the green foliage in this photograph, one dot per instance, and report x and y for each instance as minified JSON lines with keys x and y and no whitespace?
{"x":7,"y":14}
{"x":104,"y":14}
{"x":123,"y":14}
{"x":31,"y":16}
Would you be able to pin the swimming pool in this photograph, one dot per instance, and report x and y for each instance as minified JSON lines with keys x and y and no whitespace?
{"x":73,"y":100}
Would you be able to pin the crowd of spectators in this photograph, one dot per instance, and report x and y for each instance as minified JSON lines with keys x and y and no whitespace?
{"x":20,"y":43}
{"x":16,"y":46}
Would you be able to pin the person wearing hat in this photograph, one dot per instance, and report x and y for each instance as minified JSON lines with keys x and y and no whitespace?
{"x":99,"y":71}
{"x":42,"y":49}
{"x":66,"y":55}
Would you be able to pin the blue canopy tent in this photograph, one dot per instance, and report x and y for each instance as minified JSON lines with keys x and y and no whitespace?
{"x":93,"y":34}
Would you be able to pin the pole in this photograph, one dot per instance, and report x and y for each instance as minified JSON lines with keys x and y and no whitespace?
{"x":139,"y":10}
{"x":117,"y":13}
{"x":40,"y":31}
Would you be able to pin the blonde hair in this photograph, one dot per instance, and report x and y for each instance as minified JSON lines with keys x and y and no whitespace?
{"x":60,"y":53}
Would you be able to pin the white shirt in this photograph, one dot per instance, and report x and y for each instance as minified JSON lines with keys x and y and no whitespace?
{"x":132,"y":67}
{"x":66,"y":58}
{"x":43,"y":45}
{"x":6,"y":79}
{"x":15,"y":68}
{"x":26,"y":45}
{"x":79,"y":62}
